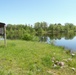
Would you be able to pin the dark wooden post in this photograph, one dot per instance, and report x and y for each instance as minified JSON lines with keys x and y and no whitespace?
{"x":4,"y":35}
{"x":3,"y":31}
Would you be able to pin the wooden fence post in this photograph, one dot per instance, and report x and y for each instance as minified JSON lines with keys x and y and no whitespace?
{"x":5,"y":35}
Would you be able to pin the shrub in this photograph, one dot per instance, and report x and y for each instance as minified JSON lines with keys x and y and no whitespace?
{"x":27,"y":37}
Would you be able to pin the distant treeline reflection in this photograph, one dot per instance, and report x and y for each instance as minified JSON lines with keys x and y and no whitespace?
{"x":61,"y":35}
{"x":57,"y":36}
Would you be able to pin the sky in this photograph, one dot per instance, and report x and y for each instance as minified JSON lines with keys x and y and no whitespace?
{"x":32,"y":11}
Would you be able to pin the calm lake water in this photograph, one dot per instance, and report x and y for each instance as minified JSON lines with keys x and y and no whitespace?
{"x":67,"y":43}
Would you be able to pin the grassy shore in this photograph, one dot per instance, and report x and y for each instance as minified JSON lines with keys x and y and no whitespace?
{"x":35,"y":58}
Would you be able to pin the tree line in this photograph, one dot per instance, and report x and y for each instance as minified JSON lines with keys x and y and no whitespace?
{"x":29,"y":32}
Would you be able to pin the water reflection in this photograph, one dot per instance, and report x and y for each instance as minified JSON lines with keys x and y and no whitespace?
{"x":67,"y":43}
{"x":66,"y":40}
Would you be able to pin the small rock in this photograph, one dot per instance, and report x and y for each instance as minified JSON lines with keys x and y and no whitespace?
{"x":73,"y":69}
{"x":73,"y":54}
{"x":61,"y":63}
{"x":54,"y":65}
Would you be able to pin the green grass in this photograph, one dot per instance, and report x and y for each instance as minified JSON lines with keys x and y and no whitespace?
{"x":34,"y":58}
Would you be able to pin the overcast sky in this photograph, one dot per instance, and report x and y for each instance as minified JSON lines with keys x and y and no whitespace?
{"x":31,"y":11}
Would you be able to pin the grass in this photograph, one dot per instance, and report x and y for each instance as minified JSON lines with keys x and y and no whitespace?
{"x":34,"y":58}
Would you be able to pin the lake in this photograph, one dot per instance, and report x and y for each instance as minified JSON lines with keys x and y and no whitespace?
{"x":68,"y":42}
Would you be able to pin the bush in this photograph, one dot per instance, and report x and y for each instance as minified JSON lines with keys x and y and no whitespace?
{"x":27,"y":37}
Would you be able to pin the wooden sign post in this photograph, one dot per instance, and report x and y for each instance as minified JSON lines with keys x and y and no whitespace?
{"x":3,"y":31}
